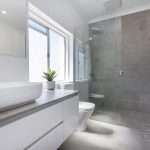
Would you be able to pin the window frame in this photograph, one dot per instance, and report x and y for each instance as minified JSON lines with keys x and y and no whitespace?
{"x":40,"y":18}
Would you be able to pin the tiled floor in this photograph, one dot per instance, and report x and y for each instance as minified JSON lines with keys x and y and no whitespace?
{"x":138,"y":121}
{"x":109,"y":130}
{"x":104,"y":136}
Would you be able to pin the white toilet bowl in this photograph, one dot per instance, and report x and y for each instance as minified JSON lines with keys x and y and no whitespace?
{"x":85,"y":111}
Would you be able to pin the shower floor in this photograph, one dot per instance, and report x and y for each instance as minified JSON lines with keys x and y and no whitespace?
{"x":132,"y":119}
{"x":138,"y":121}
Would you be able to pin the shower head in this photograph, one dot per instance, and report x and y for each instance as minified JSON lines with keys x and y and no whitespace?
{"x":96,"y":31}
{"x":90,"y":39}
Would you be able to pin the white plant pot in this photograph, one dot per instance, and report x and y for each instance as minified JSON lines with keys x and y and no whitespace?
{"x":50,"y":85}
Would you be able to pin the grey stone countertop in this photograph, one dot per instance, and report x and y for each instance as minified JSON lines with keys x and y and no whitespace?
{"x":47,"y":99}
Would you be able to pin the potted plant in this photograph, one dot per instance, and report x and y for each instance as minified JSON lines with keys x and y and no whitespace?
{"x":49,"y":76}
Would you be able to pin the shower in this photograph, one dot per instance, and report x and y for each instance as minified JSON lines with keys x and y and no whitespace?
{"x":94,"y":31}
{"x":90,"y":39}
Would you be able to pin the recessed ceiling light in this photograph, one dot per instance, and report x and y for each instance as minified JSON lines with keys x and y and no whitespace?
{"x":4,"y":12}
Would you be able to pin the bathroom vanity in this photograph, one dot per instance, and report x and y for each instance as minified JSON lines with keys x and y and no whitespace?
{"x":42,"y":125}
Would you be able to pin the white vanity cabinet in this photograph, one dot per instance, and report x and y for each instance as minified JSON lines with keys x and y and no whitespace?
{"x":51,"y":141}
{"x":46,"y":129}
{"x":71,"y":113}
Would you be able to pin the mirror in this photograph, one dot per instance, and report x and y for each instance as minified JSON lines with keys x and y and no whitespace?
{"x":13,"y":26}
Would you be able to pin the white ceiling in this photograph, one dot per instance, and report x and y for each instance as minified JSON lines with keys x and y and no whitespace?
{"x":16,"y":12}
{"x":94,"y":9}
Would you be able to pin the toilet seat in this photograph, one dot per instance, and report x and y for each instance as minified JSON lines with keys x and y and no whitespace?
{"x":86,"y":106}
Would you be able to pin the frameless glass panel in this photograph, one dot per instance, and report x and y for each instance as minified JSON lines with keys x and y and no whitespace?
{"x":81,"y":66}
{"x":76,"y":62}
{"x":37,"y":26}
{"x":37,"y":55}
{"x":57,"y":55}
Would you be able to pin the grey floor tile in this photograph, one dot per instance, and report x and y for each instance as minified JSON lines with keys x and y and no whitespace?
{"x":132,"y":115}
{"x":103,"y":136}
{"x":107,"y":115}
{"x":133,"y":123}
{"x":146,"y":145}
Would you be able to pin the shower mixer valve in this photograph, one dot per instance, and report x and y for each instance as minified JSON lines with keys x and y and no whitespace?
{"x":121,"y":72}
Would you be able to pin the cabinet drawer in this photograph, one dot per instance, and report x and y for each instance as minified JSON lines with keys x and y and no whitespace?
{"x":25,"y":131}
{"x":51,"y":141}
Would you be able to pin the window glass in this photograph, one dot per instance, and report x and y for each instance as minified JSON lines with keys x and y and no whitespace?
{"x":37,"y":55}
{"x":57,"y":55}
{"x":37,"y":26}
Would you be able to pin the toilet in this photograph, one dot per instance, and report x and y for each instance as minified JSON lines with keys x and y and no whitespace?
{"x":85,"y":111}
{"x":85,"y":108}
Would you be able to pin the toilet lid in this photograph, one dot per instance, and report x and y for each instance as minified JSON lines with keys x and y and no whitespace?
{"x":86,"y":105}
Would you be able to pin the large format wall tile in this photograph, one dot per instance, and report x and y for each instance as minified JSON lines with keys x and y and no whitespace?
{"x":124,"y":45}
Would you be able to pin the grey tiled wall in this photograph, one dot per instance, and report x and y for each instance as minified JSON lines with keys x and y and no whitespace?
{"x":124,"y":45}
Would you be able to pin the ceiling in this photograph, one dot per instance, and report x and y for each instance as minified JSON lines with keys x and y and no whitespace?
{"x":16,"y":12}
{"x":95,"y":9}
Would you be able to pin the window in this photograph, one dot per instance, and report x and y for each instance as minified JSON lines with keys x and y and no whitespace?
{"x":57,"y":55}
{"x":48,"y":49}
{"x":38,"y":40}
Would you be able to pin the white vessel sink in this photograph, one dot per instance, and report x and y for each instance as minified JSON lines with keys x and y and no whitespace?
{"x":14,"y":94}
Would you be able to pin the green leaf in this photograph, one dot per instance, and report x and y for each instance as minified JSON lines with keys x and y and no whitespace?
{"x":49,"y":75}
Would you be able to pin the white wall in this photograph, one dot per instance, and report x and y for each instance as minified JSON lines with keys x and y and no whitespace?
{"x":13,"y":69}
{"x":12,"y":40}
{"x":64,"y":13}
